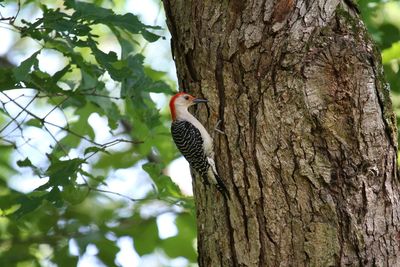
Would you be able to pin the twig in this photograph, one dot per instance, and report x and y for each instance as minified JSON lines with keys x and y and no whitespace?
{"x":12,"y":19}
{"x":111,"y":192}
{"x":55,"y":140}
{"x":16,"y":15}
{"x":119,"y":194}
{"x":22,"y":111}
{"x":55,"y":107}
{"x":60,"y":127}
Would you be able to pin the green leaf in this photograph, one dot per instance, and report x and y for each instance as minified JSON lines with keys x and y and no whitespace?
{"x":177,"y":246}
{"x":129,"y":22}
{"x":132,"y":24}
{"x":118,"y":69}
{"x":139,"y":82}
{"x":391,"y":53}
{"x":16,"y":254}
{"x":42,"y":81}
{"x":393,"y":78}
{"x":7,"y":80}
{"x":59,"y":45}
{"x":107,"y":251}
{"x":165,"y":185}
{"x":60,"y":171}
{"x":389,"y":34}
{"x":98,"y":179}
{"x":108,"y":108}
{"x":28,"y":204}
{"x":24,"y":163}
{"x":59,"y":74}
{"x":54,"y":197}
{"x":186,"y":224}
{"x":155,"y":75}
{"x":61,"y":22}
{"x":181,"y":245}
{"x":63,"y":258}
{"x":21,"y":72}
{"x":74,"y":194}
{"x":126,"y":45}
{"x":95,"y":149}
{"x":35,"y":123}
{"x":145,"y":236}
{"x":90,"y":76}
{"x":149,"y":36}
{"x":118,"y":160}
{"x":27,"y":163}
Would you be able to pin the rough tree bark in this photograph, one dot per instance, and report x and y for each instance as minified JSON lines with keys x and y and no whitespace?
{"x":309,"y":155}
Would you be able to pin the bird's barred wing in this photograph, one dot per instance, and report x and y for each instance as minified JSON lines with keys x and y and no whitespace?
{"x":189,"y":141}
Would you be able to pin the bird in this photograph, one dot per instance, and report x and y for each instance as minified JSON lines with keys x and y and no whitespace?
{"x":193,"y":140}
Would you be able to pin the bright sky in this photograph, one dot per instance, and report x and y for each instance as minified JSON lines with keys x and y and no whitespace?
{"x":159,"y":57}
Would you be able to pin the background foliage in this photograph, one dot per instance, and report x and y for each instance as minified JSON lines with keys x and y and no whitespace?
{"x":84,"y":112}
{"x":383,"y":22}
{"x":49,"y":128}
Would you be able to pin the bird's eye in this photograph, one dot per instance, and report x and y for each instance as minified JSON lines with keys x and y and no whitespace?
{"x":186,"y":97}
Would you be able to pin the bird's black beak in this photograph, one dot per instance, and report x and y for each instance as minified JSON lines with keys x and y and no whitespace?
{"x":199,"y":100}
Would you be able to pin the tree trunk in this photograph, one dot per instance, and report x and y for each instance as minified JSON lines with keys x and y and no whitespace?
{"x":309,"y":151}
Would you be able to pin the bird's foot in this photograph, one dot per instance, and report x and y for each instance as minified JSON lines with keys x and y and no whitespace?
{"x":205,"y":181}
{"x":218,"y":130}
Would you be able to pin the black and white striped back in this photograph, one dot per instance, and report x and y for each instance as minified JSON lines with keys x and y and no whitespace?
{"x":189,"y":141}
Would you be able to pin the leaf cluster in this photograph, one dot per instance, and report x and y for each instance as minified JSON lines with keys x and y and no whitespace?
{"x":73,"y":206}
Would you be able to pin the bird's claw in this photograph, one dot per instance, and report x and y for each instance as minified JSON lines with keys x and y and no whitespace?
{"x":218,"y":130}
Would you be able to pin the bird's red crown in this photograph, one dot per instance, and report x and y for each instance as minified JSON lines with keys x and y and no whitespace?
{"x":172,"y":104}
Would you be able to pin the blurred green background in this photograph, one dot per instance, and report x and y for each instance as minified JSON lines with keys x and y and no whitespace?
{"x":382,"y":19}
{"x":89,"y":175}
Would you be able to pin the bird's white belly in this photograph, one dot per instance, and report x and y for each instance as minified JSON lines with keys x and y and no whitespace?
{"x":207,"y":140}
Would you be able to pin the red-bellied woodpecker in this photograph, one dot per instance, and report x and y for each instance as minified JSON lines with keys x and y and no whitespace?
{"x":193,"y":140}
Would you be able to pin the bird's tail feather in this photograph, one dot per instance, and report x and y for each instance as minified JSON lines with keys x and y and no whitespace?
{"x":213,"y":174}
